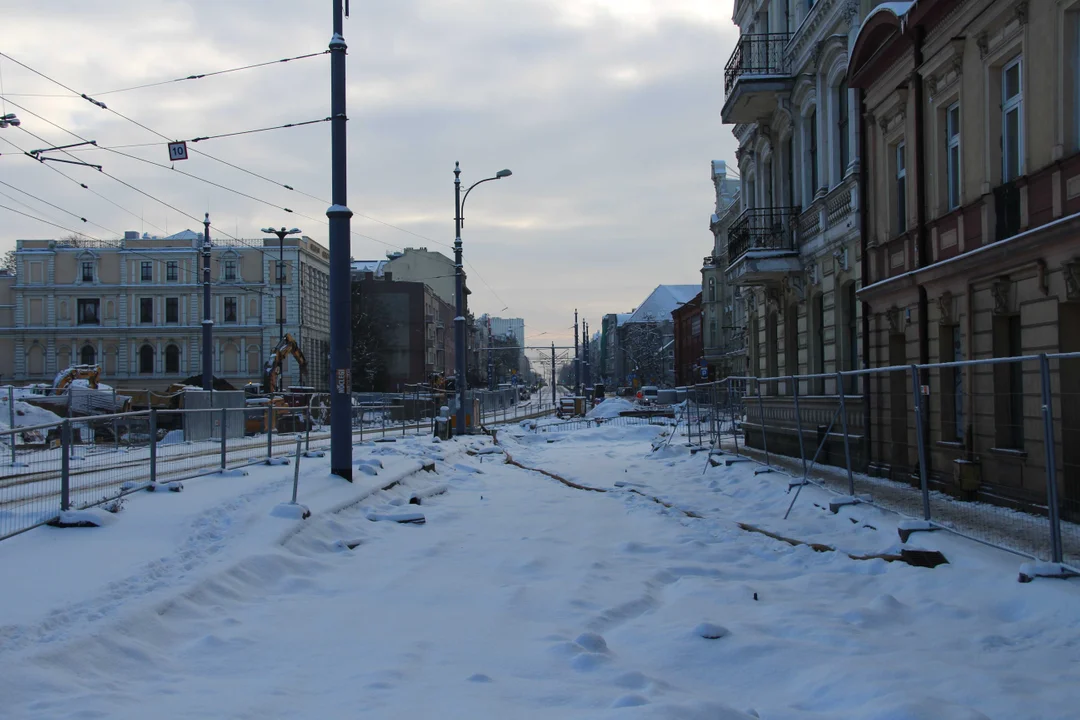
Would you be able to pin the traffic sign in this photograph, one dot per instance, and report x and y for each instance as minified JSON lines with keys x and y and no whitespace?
{"x":178,"y":150}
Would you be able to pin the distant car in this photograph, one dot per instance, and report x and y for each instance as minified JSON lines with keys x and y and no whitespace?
{"x":648,"y":393}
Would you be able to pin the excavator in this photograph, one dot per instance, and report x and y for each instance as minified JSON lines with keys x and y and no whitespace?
{"x":89,"y":373}
{"x":267,"y":392}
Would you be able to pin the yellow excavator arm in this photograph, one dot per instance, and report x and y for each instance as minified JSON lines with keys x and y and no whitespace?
{"x":272,"y":369}
{"x":90,"y":373}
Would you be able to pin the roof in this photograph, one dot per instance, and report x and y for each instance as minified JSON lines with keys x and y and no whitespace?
{"x":371,"y":266}
{"x":185,"y":235}
{"x":665,"y":298}
{"x":878,"y":28}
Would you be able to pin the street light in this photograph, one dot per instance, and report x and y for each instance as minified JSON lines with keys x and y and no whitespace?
{"x":459,"y":287}
{"x":281,"y":272}
{"x":9,"y":119}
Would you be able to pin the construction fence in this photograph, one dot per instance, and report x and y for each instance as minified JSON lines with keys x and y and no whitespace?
{"x":91,"y":460}
{"x":988,"y":449}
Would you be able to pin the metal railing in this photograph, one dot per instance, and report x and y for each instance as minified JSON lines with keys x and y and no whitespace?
{"x":82,"y":462}
{"x":761,"y":54}
{"x":768,"y":228}
{"x":988,"y":449}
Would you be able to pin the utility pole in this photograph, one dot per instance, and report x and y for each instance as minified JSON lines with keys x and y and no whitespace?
{"x":491,"y":358}
{"x":554,"y":378}
{"x":340,"y":306}
{"x":577,"y":361}
{"x":207,"y":323}
{"x":460,"y":348}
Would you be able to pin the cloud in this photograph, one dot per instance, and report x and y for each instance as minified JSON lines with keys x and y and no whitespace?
{"x":606,"y":110}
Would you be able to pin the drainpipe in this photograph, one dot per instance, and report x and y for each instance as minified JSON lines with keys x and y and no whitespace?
{"x":921,"y":239}
{"x":864,"y":271}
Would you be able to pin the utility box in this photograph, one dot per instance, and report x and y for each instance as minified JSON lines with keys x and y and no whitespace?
{"x":967,"y":475}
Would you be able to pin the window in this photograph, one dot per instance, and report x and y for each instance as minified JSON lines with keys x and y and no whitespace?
{"x":901,"y":190}
{"x":843,"y":141}
{"x":952,"y":384}
{"x":172,"y":359}
{"x":230,"y":309}
{"x":88,"y":312}
{"x":791,"y":170}
{"x":230,"y":269}
{"x":88,"y":271}
{"x":281,"y":317}
{"x":280,"y":276}
{"x":146,"y":310}
{"x":1012,"y":121}
{"x":88,"y":356}
{"x":712,"y":289}
{"x":952,"y":157}
{"x":818,"y":310}
{"x":147,"y":272}
{"x":171,"y":271}
{"x":146,"y":360}
{"x":813,"y":157}
{"x":172,"y":310}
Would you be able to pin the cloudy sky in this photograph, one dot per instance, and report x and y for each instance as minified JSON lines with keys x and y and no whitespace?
{"x":607,"y":111}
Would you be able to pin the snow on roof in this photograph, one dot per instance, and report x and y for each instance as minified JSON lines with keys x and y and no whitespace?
{"x":371,"y":266}
{"x":665,"y":298}
{"x":185,"y":235}
{"x":621,"y":318}
{"x":899,"y":9}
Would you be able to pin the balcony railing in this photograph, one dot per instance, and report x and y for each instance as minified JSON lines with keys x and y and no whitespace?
{"x":757,"y":55}
{"x":1007,"y":210}
{"x":768,"y":228}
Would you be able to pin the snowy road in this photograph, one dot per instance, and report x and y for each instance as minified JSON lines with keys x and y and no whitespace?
{"x":520,"y":598}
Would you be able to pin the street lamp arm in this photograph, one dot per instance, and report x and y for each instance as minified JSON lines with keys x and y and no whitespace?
{"x":498,"y":176}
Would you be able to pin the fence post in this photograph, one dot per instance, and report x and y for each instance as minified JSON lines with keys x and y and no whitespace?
{"x":307,"y":446}
{"x":1056,"y":550}
{"x":65,"y":465}
{"x":924,"y":486}
{"x":11,"y":420}
{"x":847,"y":442}
{"x":296,"y":470}
{"x":761,"y":418}
{"x":798,"y":423}
{"x":153,"y":445}
{"x":224,"y":436}
{"x":269,"y":431}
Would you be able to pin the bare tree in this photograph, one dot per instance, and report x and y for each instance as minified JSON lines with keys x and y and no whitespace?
{"x":8,"y":262}
{"x":643,"y":344}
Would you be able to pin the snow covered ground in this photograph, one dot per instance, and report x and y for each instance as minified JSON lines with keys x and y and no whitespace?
{"x":522,"y":597}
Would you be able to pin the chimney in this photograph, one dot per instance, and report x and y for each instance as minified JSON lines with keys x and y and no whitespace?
{"x":388,"y":276}
{"x":131,"y":235}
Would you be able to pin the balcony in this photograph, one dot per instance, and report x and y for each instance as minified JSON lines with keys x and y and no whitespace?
{"x":754,"y":77}
{"x":762,"y":246}
{"x":1006,"y":210}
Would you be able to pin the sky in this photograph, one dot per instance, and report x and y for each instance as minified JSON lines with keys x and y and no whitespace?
{"x":606,"y":111}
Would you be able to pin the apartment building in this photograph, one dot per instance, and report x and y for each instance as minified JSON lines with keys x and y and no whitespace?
{"x":723,"y":312}
{"x":972,"y":125}
{"x":794,"y":249}
{"x":134,"y":306}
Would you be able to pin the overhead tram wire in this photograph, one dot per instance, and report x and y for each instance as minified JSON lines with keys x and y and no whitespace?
{"x":237,"y":167}
{"x":198,"y":76}
{"x":182,"y":172}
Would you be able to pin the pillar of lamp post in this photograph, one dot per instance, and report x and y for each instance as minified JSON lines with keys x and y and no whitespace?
{"x":281,"y":234}
{"x":208,"y":322}
{"x":460,"y":351}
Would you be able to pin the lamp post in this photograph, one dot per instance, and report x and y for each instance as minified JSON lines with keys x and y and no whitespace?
{"x":281,"y":234}
{"x":9,"y":119}
{"x":459,"y":288}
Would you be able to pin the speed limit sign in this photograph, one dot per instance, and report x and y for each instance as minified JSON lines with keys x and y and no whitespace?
{"x":178,"y":151}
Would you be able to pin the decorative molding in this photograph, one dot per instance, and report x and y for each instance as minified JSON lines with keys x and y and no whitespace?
{"x":895,"y":324}
{"x":1000,"y":289}
{"x":812,"y":275}
{"x":773,"y":297}
{"x":796,"y":287}
{"x":1020,"y":12}
{"x":1071,"y":271}
{"x":945,"y":309}
{"x":983,"y":42}
{"x":851,"y":12}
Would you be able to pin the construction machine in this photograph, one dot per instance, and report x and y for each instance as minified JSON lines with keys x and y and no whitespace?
{"x":267,"y":393}
{"x":89,"y":373}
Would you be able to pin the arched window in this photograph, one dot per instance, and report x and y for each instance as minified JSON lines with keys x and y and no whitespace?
{"x":146,"y":360}
{"x":88,"y":355}
{"x":712,"y":289}
{"x":172,"y":359}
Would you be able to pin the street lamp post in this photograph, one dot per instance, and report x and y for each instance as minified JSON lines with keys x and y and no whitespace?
{"x":281,"y":234}
{"x":459,"y":288}
{"x":9,"y":119}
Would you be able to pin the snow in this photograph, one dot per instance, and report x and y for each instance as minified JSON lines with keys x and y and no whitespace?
{"x":610,"y":408}
{"x":26,"y":415}
{"x":521,"y":597}
{"x":665,"y":298}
